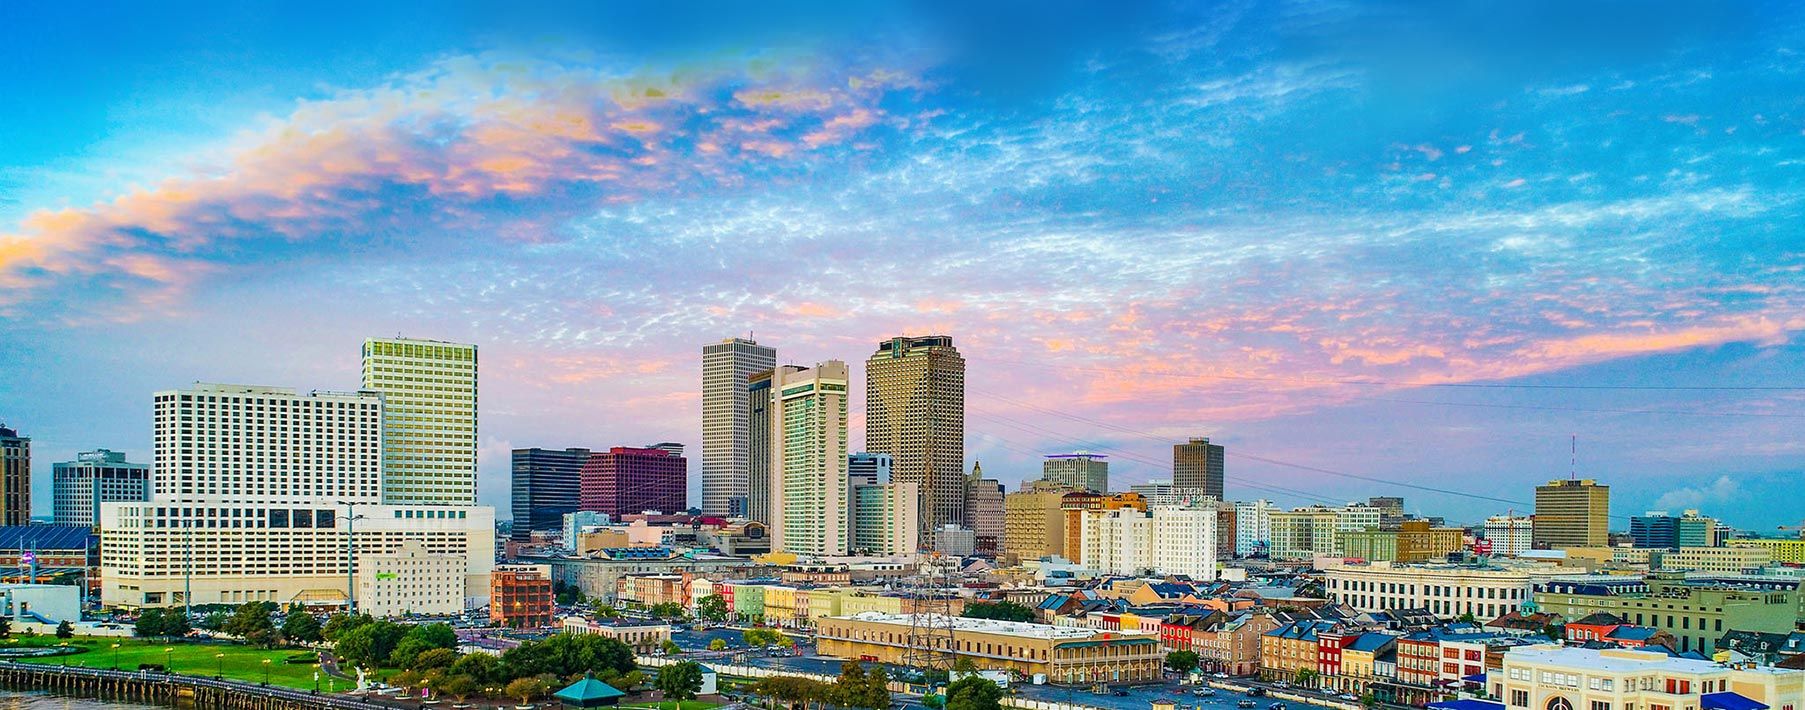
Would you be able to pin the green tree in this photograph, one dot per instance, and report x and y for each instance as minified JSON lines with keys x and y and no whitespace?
{"x":1002,"y":611}
{"x":336,"y":624}
{"x":974,"y":692}
{"x":526,"y":690}
{"x":1182,"y":661}
{"x":215,"y":620}
{"x":149,"y":624}
{"x":762,"y":637}
{"x":631,"y":681}
{"x":252,"y":623}
{"x":407,"y":680}
{"x":933,"y":702}
{"x":64,"y":629}
{"x":459,"y":686}
{"x":300,"y":626}
{"x":877,"y":690}
{"x":368,"y":645}
{"x":175,"y":625}
{"x":712,"y":608}
{"x":1305,"y":678}
{"x":670,"y":648}
{"x":480,"y":666}
{"x":434,"y":658}
{"x":717,"y":645}
{"x":604,"y":610}
{"x":1469,"y":618}
{"x":679,"y":681}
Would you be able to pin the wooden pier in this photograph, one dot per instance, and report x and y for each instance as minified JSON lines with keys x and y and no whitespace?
{"x":154,"y":688}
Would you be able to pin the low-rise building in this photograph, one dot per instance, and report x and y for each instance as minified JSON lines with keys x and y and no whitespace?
{"x":1719,"y":560}
{"x":1289,"y":652}
{"x":410,"y":580}
{"x":1066,"y":655}
{"x":1569,"y":678}
{"x":1790,"y":550}
{"x":1695,"y":612}
{"x":520,"y":596}
{"x":645,"y":591}
{"x":642,"y":637}
{"x":1446,"y":590}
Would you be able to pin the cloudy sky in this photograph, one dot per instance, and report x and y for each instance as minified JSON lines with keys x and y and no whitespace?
{"x":1373,"y":250}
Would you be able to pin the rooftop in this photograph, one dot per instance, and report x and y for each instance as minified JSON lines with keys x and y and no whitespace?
{"x":992,"y":626}
{"x":1608,"y":660}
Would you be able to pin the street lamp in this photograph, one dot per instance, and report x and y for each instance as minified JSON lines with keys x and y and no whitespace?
{"x":166,"y":662}
{"x":222,"y":666}
{"x":115,"y":656}
{"x":266,"y":671}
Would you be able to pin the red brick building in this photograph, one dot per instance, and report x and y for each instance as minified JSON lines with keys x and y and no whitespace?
{"x":625,"y":480}
{"x":520,"y":596}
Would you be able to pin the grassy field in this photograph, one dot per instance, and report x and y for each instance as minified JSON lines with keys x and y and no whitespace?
{"x":240,"y":662}
{"x":687,"y":705}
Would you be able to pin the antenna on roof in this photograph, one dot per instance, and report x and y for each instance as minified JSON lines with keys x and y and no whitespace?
{"x":1573,"y":463}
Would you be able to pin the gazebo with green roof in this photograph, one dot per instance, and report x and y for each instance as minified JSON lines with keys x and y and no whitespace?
{"x":588,"y":693}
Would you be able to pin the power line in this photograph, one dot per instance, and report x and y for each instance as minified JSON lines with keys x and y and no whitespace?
{"x":1408,"y":383}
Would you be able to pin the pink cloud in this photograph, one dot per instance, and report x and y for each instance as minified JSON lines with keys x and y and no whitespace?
{"x":462,"y":131}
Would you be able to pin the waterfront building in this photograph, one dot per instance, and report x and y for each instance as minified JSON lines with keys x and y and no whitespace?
{"x":429,"y":397}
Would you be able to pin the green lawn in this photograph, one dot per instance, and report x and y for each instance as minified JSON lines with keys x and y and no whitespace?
{"x":687,"y":705}
{"x":240,"y":662}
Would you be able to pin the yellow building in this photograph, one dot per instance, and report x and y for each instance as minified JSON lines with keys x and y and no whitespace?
{"x":1571,"y":513}
{"x":1067,"y":655}
{"x":1720,"y":560}
{"x":1780,"y":550}
{"x":1033,"y":524}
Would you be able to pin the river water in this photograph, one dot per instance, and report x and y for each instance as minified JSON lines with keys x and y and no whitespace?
{"x":23,"y":700}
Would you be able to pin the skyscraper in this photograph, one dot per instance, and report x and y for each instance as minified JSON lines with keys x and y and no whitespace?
{"x":79,"y":487}
{"x":1083,"y":471}
{"x":984,"y":508}
{"x":1197,"y":466}
{"x":727,"y":370}
{"x":15,"y":478}
{"x":810,"y":495}
{"x":1572,"y":513}
{"x":626,"y":480}
{"x":755,"y":502}
{"x":429,"y":419}
{"x":546,"y":485}
{"x":884,"y":519}
{"x":915,"y":411}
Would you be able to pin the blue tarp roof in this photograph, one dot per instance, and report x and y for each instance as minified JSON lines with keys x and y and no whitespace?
{"x":1729,"y":701}
{"x":45,"y":537}
{"x":1466,"y":704}
{"x":1474,"y":678}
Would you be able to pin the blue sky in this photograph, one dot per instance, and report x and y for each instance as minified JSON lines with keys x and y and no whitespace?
{"x":1303,"y":229}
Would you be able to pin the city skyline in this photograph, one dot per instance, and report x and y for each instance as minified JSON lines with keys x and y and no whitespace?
{"x":1139,"y":228}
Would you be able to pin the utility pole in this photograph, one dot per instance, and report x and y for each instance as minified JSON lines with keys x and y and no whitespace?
{"x":188,"y":568}
{"x":351,"y":518}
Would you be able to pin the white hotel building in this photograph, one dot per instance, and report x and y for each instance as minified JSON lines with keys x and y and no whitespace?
{"x":258,"y":491}
{"x":1486,"y":592}
{"x":1167,"y":540}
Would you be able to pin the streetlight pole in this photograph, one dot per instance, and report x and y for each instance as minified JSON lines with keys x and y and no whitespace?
{"x":188,"y":568}
{"x":351,"y":518}
{"x":222,"y":665}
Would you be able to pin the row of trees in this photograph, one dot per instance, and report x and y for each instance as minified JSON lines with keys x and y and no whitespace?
{"x":1001,"y":611}
{"x":855,"y":688}
{"x":253,"y":622}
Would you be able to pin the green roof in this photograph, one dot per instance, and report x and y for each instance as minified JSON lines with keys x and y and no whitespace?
{"x":587,"y":689}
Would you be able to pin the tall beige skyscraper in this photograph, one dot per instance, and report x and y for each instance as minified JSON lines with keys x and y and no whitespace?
{"x":810,"y":496}
{"x":1572,"y":512}
{"x":428,"y":419}
{"x":1197,"y":467}
{"x":915,"y":411}
{"x":727,"y":368}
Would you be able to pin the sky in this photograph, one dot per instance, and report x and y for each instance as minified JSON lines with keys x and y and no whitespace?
{"x":1446,"y":252}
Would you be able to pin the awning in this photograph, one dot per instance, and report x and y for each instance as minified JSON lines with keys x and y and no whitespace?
{"x":1466,"y":704}
{"x":1729,"y":701}
{"x":1474,"y":678}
